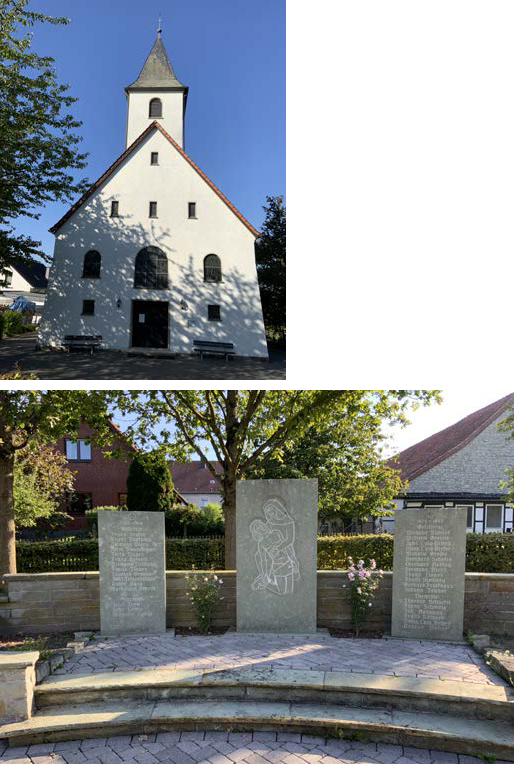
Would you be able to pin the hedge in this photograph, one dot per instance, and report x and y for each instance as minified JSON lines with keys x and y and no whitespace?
{"x":57,"y":556}
{"x":485,"y":553}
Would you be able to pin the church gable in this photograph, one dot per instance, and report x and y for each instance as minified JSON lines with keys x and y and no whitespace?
{"x":124,"y":161}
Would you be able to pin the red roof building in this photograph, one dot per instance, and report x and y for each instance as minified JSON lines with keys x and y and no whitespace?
{"x":462,"y":465}
{"x":195,"y":482}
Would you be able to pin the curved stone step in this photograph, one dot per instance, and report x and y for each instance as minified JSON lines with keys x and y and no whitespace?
{"x":435,"y":731}
{"x":469,"y":699}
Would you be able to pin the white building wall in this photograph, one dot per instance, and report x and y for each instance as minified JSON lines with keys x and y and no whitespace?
{"x":18,"y":284}
{"x":202,"y":498}
{"x":172,"y":184}
{"x":138,"y":119}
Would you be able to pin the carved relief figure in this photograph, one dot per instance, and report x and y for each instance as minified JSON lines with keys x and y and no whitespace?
{"x":275,"y":557}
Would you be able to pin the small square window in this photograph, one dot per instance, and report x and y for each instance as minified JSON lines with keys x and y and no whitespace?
{"x":214,"y":312}
{"x":88,"y":307}
{"x":192,"y":209}
{"x":153,"y":209}
{"x":154,"y":157}
{"x":115,"y":209}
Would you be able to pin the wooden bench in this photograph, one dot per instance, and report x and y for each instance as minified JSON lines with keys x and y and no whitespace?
{"x":82,"y":341}
{"x":214,"y":348}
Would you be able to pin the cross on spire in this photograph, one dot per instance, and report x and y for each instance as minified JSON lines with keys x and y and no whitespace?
{"x":159,"y":30}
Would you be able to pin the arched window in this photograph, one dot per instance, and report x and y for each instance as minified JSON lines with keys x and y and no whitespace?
{"x":92,"y":265}
{"x":151,"y":269}
{"x":212,"y":268}
{"x":155,"y":108}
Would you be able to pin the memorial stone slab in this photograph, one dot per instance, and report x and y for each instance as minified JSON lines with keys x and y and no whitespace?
{"x":276,"y":555}
{"x":132,"y":572}
{"x":428,"y":573}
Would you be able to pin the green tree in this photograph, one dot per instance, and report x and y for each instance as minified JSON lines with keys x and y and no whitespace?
{"x":270,"y":253}
{"x":41,"y":481}
{"x":354,"y":481}
{"x":507,"y":425}
{"x":149,"y":483}
{"x":27,"y":416}
{"x":38,"y":145}
{"x":247,"y":428}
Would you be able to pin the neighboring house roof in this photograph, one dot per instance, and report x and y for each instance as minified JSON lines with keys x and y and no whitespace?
{"x":192,"y":478}
{"x":33,"y":272}
{"x":421,"y":457}
{"x":153,"y":126}
{"x":157,"y":71}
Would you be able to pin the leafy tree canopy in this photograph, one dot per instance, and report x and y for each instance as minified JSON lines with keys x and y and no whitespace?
{"x":41,"y":480}
{"x":247,"y":428}
{"x":38,"y":145}
{"x":149,"y":483}
{"x":270,"y":253}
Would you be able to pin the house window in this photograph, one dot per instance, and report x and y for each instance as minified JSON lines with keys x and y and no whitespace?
{"x":469,"y":518}
{"x":153,"y":210}
{"x":151,"y":270}
{"x":155,"y":109}
{"x":79,"y":502}
{"x":212,"y":268}
{"x":214,"y":312}
{"x":115,"y":209}
{"x":88,"y":307}
{"x":78,"y":450}
{"x":191,"y":209}
{"x":7,"y":280}
{"x":154,"y":157}
{"x":92,"y":265}
{"x":493,"y":518}
{"x":122,"y":499}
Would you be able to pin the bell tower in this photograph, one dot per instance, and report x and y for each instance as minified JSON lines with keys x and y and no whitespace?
{"x":158,"y":95}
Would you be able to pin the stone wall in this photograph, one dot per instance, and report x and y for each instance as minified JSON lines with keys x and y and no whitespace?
{"x":44,"y":602}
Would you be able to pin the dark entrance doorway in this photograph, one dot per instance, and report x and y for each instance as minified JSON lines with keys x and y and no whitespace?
{"x":149,"y":324}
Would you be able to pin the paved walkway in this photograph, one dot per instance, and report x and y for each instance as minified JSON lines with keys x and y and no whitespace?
{"x":110,"y":364}
{"x":225,"y":748}
{"x":393,"y":657}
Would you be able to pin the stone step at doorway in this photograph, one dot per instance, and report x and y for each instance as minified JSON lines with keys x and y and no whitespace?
{"x":425,"y":730}
{"x":466,"y":699}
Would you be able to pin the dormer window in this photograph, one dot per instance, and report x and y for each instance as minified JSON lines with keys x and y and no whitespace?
{"x":155,"y":110}
{"x":154,"y":157}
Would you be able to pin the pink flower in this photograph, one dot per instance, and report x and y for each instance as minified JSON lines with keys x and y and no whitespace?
{"x":361,"y":563}
{"x":359,"y":590}
{"x":362,"y":573}
{"x":351,"y":576}
{"x":381,"y":572}
{"x":373,"y":564}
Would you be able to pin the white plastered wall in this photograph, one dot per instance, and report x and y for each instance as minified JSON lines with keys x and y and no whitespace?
{"x":172,"y":120}
{"x":173,"y":183}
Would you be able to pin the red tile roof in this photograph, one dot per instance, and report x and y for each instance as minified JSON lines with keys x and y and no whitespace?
{"x":153,"y":126}
{"x":191,"y":478}
{"x":417,"y":459}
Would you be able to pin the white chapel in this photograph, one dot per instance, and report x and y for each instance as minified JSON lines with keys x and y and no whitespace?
{"x":154,"y":255}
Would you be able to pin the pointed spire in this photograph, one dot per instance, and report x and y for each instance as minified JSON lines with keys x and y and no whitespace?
{"x":159,"y":30}
{"x":157,"y":71}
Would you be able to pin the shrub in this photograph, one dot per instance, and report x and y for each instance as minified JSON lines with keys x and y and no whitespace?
{"x":333,"y":551}
{"x":203,"y":591}
{"x":190,"y":521}
{"x":149,"y":484}
{"x":185,"y":554}
{"x":92,"y":518}
{"x":363,"y":585}
{"x":11,"y":322}
{"x":490,"y":552}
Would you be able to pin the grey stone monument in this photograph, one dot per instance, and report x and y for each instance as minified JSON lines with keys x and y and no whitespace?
{"x":276,"y":555}
{"x":132,"y":572}
{"x":428,"y":573}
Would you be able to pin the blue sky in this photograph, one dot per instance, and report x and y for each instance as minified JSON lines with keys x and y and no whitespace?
{"x":231,"y":53}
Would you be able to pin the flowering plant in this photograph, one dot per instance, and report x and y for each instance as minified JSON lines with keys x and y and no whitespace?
{"x":203,"y":590}
{"x":363,"y":585}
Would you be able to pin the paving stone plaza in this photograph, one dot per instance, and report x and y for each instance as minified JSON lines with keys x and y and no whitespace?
{"x":320,"y":652}
{"x":226,"y":748}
